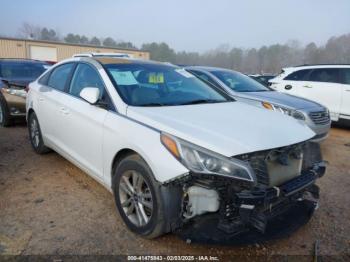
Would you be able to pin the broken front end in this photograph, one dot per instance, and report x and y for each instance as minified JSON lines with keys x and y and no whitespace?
{"x":283,"y":179}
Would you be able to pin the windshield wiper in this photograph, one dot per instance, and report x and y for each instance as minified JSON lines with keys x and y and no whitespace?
{"x":203,"y":101}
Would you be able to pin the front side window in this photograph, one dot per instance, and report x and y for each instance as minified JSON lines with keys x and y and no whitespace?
{"x":329,"y":75}
{"x":59,"y":76}
{"x":21,"y":70}
{"x":143,"y":84}
{"x":239,"y":82}
{"x":297,"y":75}
{"x":85,"y":76}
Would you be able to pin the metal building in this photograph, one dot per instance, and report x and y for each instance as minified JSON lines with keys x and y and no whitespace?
{"x":55,"y":51}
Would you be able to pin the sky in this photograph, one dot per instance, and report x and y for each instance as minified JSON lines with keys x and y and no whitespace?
{"x":190,"y":25}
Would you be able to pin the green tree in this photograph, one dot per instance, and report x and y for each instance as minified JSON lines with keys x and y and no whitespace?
{"x":95,"y":41}
{"x":84,"y":39}
{"x":72,"y":38}
{"x":160,"y":52}
{"x":109,"y":41}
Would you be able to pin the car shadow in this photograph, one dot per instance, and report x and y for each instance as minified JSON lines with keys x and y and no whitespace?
{"x":342,"y":124}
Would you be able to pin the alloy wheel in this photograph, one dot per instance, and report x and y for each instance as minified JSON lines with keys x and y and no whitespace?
{"x":135,"y":198}
{"x":34,"y":132}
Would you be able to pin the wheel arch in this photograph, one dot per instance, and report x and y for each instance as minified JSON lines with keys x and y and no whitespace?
{"x":123,"y":153}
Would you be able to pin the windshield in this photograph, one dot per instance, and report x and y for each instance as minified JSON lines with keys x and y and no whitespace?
{"x":239,"y":82}
{"x":161,"y":85}
{"x":14,"y":70}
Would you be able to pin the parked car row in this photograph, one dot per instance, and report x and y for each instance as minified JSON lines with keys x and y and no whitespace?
{"x":328,"y":85}
{"x":180,"y":147}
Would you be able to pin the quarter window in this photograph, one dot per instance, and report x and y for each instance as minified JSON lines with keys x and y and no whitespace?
{"x":85,"y":76}
{"x":59,"y":76}
{"x":330,"y":75}
{"x":298,"y":75}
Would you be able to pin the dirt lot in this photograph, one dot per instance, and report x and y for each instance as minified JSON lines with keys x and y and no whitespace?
{"x":48,"y":206}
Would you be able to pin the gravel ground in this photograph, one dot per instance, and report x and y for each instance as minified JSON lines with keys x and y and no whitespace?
{"x":48,"y":206}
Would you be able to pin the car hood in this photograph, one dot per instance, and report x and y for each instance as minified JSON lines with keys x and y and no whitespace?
{"x":281,"y":99}
{"x":230,"y":129}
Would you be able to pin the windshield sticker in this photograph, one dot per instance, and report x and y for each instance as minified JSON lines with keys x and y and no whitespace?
{"x":124,"y":78}
{"x":156,"y":78}
{"x":184,"y":73}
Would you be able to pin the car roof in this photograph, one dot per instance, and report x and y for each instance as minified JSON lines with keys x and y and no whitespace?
{"x":318,"y":66}
{"x":208,"y":68}
{"x":93,"y":54}
{"x":125,"y":60}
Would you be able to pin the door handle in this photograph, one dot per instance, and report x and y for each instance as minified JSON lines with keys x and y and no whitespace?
{"x":288,"y":87}
{"x":64,"y":111}
{"x":347,"y":90}
{"x":306,"y":86}
{"x":41,"y":99}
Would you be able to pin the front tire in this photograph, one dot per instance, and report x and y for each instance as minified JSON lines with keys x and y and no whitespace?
{"x":138,"y":197}
{"x":35,"y":135}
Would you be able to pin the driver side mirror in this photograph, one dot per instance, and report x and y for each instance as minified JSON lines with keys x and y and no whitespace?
{"x":90,"y":95}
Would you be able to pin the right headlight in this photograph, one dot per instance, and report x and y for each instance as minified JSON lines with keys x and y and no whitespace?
{"x":201,"y":160}
{"x":294,"y":113}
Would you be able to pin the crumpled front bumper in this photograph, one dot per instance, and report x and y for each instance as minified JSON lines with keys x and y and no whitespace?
{"x":255,"y":212}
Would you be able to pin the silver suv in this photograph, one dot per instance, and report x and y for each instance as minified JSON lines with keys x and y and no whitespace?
{"x":247,"y":90}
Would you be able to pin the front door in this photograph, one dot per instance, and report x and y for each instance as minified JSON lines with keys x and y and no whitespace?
{"x":82,"y":122}
{"x":345,"y":103}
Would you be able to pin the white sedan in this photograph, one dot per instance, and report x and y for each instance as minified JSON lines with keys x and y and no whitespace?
{"x":171,"y":148}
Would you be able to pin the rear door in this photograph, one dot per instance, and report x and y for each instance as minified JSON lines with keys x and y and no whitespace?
{"x":345,"y":101}
{"x":322,"y":85}
{"x":83,"y":123}
{"x":51,"y":92}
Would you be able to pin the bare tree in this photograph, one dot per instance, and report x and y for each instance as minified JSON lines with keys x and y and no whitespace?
{"x":29,"y":31}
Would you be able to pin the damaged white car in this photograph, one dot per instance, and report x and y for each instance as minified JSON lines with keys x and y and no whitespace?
{"x":173,"y":150}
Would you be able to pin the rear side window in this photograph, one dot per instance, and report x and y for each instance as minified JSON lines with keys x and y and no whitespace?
{"x":298,"y":75}
{"x":328,"y":75}
{"x":345,"y":76}
{"x":85,"y":76}
{"x":59,"y":76}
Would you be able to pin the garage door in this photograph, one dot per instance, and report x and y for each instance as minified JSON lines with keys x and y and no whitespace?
{"x":43,"y":53}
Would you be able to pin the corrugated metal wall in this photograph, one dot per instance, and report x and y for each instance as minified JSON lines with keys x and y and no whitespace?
{"x":12,"y":48}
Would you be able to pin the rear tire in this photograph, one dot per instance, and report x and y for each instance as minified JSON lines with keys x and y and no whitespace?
{"x":138,"y":197}
{"x":5,"y":118}
{"x":35,"y":135}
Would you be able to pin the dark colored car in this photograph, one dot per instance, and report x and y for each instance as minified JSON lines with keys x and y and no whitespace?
{"x":15,"y":75}
{"x":262,"y":79}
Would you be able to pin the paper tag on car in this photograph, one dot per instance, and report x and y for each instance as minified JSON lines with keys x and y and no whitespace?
{"x":156,"y":78}
{"x":124,"y":78}
{"x":184,"y":73}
